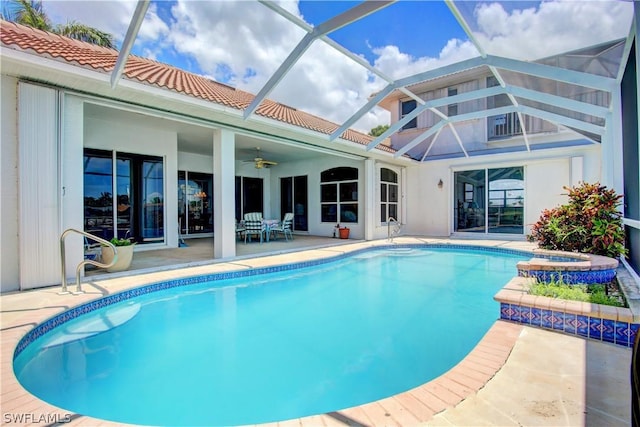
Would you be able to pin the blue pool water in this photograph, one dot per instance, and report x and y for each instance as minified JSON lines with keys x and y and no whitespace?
{"x":274,"y":346}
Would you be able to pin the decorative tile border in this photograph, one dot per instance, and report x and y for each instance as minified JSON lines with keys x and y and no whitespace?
{"x":571,"y":268}
{"x":77,"y":311}
{"x":570,"y":277}
{"x":616,"y":325}
{"x":612,"y":331}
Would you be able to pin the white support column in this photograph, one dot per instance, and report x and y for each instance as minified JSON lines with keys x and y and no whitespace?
{"x":370,"y":219}
{"x":576,"y":171}
{"x":403,"y":196}
{"x":612,"y":162}
{"x":224,"y":241}
{"x":72,"y":192}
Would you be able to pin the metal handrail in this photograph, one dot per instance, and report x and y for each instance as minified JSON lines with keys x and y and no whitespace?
{"x":396,"y":230}
{"x":84,"y":262}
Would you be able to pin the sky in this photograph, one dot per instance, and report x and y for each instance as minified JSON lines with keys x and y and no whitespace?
{"x":242,"y":42}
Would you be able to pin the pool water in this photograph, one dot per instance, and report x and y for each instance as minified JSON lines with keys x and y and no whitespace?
{"x":274,"y":346}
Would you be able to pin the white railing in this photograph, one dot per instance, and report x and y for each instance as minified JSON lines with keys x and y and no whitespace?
{"x":503,"y":126}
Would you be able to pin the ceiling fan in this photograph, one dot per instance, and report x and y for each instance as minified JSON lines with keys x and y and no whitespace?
{"x":260,"y":162}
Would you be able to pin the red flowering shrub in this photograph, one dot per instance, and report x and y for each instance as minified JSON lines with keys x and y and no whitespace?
{"x":589,"y":223}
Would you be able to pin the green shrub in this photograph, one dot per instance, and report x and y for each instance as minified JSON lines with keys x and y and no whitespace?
{"x":121,"y":242}
{"x":589,"y":223}
{"x":595,"y":293}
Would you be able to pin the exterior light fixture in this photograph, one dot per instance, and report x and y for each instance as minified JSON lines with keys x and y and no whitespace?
{"x":440,"y":184}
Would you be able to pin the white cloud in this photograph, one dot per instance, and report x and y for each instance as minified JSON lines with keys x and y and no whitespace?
{"x":551,"y":28}
{"x":397,"y":64}
{"x":111,"y":16}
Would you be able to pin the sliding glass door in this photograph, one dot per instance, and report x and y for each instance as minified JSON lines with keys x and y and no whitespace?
{"x":249,"y":196}
{"x":293,"y":198}
{"x":137,"y":211}
{"x":195,"y":202}
{"x":499,"y":210}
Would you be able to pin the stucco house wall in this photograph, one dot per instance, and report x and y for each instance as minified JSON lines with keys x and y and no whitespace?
{"x":430,"y":208}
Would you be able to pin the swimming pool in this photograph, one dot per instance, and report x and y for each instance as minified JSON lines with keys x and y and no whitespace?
{"x":273,"y":346}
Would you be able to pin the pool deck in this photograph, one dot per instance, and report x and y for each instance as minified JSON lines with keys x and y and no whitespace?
{"x":516,"y":375}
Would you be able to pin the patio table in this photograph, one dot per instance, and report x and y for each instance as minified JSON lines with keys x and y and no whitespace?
{"x":269,"y":224}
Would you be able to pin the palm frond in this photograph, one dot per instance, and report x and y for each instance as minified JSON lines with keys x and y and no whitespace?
{"x":85,"y":33}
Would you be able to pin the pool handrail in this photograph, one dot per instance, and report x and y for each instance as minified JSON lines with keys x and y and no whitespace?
{"x":84,"y":262}
{"x":396,"y":229}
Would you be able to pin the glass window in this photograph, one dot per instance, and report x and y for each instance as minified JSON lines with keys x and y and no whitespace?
{"x":328,"y":192}
{"x":452,"y":109}
{"x":405,"y":108}
{"x":388,"y":194}
{"x":339,"y":174}
{"x":339,"y":195}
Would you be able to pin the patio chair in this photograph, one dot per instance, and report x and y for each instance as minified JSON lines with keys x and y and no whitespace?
{"x":253,"y":225}
{"x":285,"y":227}
{"x":240,"y":230}
{"x":92,"y":250}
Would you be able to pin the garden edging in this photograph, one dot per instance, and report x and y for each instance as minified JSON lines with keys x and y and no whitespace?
{"x":616,"y":325}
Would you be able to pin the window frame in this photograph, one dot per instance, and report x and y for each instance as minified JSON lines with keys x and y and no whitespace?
{"x":413,"y":123}
{"x":341,"y":202}
{"x":452,"y":109}
{"x":385,"y":195}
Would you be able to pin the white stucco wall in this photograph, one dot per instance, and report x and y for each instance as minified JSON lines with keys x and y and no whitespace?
{"x":195,"y":162}
{"x":140,"y":139}
{"x":312,"y":169}
{"x":430,"y":209}
{"x":9,"y":262}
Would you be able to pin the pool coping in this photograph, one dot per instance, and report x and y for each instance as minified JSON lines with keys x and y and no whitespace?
{"x":30,"y":308}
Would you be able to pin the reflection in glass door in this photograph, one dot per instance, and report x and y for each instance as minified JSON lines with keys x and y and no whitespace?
{"x":137,"y":211}
{"x":124,"y":197}
{"x":153,"y":201}
{"x":469,"y":207}
{"x":98,"y":191}
{"x":195,"y":206}
{"x":505,"y":201}
{"x":293,"y":198}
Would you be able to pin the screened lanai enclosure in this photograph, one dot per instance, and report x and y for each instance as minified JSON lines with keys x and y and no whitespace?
{"x":568,"y":84}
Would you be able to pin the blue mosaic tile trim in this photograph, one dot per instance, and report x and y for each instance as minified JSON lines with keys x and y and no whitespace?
{"x":555,"y":258}
{"x":75,"y":312}
{"x":619,"y":333}
{"x":571,"y":277}
{"x":582,"y":325}
{"x":546,"y":319}
{"x":536,"y":316}
{"x":570,"y":323}
{"x":608,"y":330}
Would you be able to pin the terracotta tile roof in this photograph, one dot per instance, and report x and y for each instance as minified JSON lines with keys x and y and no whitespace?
{"x":147,"y":71}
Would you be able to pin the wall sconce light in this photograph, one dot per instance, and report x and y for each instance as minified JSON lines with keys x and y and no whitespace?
{"x":440,"y":184}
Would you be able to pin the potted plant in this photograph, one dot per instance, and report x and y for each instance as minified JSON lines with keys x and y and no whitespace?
{"x":344,"y":232}
{"x":125,"y":254}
